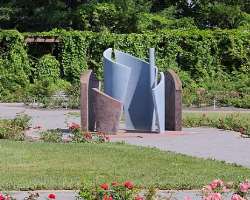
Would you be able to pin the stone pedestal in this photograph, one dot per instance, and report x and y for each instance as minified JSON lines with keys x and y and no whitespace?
{"x":107,"y":111}
{"x":173,"y":99}
{"x":87,"y":82}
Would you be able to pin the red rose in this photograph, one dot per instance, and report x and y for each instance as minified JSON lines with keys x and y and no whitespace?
{"x":104,"y":186}
{"x":1,"y":197}
{"x":129,"y":185}
{"x":88,"y":136}
{"x":139,"y":198}
{"x":74,"y":126}
{"x":114,"y":184}
{"x":105,"y":197}
{"x":52,"y":196}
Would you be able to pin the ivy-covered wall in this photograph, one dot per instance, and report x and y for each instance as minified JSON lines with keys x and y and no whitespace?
{"x":14,"y":63}
{"x":214,"y":60}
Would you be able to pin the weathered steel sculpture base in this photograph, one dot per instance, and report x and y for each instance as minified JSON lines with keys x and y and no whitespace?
{"x":107,"y":112}
{"x":87,"y":82}
{"x":173,"y":106}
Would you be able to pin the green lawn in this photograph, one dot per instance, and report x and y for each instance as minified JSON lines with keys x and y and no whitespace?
{"x":217,"y":114}
{"x":27,"y":165}
{"x":239,"y":122}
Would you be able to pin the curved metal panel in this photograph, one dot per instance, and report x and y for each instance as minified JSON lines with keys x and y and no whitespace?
{"x":84,"y":99}
{"x":138,"y":104}
{"x":87,"y":82}
{"x":107,"y":112}
{"x":116,"y":77}
{"x":130,"y":80}
{"x":159,"y":103}
{"x":173,"y":106}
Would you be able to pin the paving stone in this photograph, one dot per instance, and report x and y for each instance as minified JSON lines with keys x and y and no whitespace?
{"x":210,"y":143}
{"x":161,"y":194}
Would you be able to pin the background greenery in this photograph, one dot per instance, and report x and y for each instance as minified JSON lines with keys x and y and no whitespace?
{"x":122,"y":16}
{"x":211,"y":64}
{"x":205,"y":41}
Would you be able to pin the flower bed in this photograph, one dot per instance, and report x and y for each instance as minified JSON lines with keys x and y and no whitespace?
{"x":216,"y":190}
{"x":31,"y":196}
{"x":236,"y":122}
{"x":13,"y":129}
{"x":127,"y":191}
{"x":75,"y":135}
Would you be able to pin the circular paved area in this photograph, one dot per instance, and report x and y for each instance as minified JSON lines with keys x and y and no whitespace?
{"x":200,"y":142}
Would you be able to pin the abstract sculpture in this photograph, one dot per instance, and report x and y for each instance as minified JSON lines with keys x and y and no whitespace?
{"x":132,"y":85}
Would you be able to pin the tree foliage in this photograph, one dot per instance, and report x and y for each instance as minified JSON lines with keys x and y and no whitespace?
{"x":120,"y":16}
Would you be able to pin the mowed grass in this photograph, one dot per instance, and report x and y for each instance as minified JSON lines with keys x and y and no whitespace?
{"x":26,"y":165}
{"x":239,"y":122}
{"x":217,"y":114}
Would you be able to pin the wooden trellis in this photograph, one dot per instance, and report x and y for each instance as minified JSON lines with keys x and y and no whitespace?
{"x":41,"y":40}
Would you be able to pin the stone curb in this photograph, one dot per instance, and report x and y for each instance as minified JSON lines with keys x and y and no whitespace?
{"x":72,"y":194}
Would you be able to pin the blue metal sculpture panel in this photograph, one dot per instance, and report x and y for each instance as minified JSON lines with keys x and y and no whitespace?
{"x":116,"y":77}
{"x":138,"y":104}
{"x":159,"y":102}
{"x":134,"y":82}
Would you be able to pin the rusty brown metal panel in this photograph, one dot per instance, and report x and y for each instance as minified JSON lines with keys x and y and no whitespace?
{"x":84,"y":99}
{"x":107,"y":112}
{"x":173,"y":98}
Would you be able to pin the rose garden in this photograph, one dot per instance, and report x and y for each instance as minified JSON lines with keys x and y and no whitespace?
{"x":124,"y":100}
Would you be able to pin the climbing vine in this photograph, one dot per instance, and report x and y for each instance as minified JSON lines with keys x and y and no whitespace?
{"x":213,"y":60}
{"x":14,"y":63}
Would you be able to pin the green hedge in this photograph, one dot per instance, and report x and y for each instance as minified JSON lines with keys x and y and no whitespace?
{"x":14,"y":63}
{"x":215,"y":60}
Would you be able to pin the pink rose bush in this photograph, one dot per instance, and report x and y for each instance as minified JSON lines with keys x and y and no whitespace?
{"x":126,"y":191}
{"x":217,"y":187}
{"x":213,"y":196}
{"x":139,"y":198}
{"x":244,"y":187}
{"x":216,"y":184}
{"x":236,"y":197}
{"x":214,"y":190}
{"x":6,"y":197}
